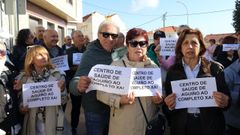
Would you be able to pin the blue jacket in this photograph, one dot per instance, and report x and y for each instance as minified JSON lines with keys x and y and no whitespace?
{"x":232,"y":78}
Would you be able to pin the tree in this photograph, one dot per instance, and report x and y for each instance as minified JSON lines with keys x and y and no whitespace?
{"x":236,"y":16}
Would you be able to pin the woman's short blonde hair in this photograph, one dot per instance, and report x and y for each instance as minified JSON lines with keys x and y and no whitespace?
{"x":32,"y":52}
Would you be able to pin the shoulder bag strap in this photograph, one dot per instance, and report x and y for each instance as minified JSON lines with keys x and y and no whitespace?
{"x":145,"y":116}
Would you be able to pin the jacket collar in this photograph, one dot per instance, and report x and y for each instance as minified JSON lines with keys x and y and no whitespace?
{"x":143,"y":64}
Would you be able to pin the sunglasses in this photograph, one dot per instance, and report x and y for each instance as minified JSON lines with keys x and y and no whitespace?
{"x":136,"y":43}
{"x":2,"y":52}
{"x":106,"y":35}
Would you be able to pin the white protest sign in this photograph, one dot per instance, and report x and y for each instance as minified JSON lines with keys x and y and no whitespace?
{"x":194,"y":92}
{"x":122,"y":80}
{"x":41,"y":94}
{"x":167,"y":46}
{"x":109,"y":79}
{"x":146,"y":81}
{"x":77,"y":58}
{"x":61,"y":62}
{"x":228,"y":47}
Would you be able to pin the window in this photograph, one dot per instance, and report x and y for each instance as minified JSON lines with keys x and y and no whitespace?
{"x":50,"y":25}
{"x":70,"y":30}
{"x":60,"y":35}
{"x":34,"y":22}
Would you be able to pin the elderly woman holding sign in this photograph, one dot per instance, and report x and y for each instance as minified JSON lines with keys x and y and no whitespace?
{"x":190,"y":64}
{"x":126,"y":115}
{"x":45,"y":120}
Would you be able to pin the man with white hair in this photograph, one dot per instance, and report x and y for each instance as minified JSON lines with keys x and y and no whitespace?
{"x":39,"y":30}
{"x":98,"y":51}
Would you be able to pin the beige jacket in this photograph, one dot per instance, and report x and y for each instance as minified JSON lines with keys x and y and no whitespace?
{"x":51,"y":112}
{"x":128,"y":119}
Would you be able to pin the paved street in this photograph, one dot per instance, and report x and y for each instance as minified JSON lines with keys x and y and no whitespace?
{"x":81,"y":130}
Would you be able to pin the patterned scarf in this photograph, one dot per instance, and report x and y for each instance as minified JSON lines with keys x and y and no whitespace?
{"x":41,"y":77}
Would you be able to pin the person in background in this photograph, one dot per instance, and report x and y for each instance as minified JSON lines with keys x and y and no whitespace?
{"x":126,"y":117}
{"x":164,"y":62}
{"x":211,"y":48}
{"x":39,"y":30}
{"x":150,"y":51}
{"x":78,"y":47}
{"x":98,"y":52}
{"x":9,"y":114}
{"x":43,"y":120}
{"x":67,"y":44}
{"x":120,"y":49}
{"x":86,"y":40}
{"x":232,"y":115}
{"x":226,"y":58}
{"x":50,"y":37}
{"x":190,"y":64}
{"x":181,"y":28}
{"x":24,"y":39}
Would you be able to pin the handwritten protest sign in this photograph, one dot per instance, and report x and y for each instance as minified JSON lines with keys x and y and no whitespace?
{"x":77,"y":58}
{"x":61,"y":62}
{"x":194,"y":92}
{"x":228,"y":47}
{"x":122,"y":80}
{"x":168,"y":46}
{"x":41,"y":94}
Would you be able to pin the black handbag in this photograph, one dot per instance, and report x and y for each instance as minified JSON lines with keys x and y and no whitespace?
{"x":156,"y":126}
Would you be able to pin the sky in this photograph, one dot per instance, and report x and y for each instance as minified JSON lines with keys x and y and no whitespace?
{"x":209,"y":16}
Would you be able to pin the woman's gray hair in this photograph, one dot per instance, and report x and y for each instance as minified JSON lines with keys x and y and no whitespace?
{"x":107,"y":22}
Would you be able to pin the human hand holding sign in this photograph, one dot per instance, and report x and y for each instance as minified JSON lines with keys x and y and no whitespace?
{"x":17,"y":85}
{"x":61,"y":85}
{"x":127,"y":99}
{"x":220,"y":99}
{"x":170,"y":101}
{"x":157,"y":99}
{"x":83,"y":83}
{"x":23,"y":109}
{"x":157,"y":50}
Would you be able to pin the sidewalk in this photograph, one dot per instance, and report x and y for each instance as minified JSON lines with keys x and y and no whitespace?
{"x":81,"y":130}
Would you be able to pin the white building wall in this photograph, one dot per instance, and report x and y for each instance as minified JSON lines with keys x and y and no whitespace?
{"x":23,"y":21}
{"x":115,"y":18}
{"x":79,"y":10}
{"x":90,"y":26}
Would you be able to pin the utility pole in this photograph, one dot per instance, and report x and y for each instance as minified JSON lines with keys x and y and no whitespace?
{"x":164,"y":19}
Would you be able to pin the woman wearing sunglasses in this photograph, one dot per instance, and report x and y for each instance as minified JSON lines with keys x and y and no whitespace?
{"x":126,"y":117}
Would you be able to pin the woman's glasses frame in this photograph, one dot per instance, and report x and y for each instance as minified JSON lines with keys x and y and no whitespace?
{"x":136,"y":43}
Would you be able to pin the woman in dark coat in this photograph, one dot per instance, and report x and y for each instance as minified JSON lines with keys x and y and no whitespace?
{"x":24,"y":38}
{"x":190,"y":64}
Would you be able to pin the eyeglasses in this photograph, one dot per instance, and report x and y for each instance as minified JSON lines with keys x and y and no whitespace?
{"x":2,"y":52}
{"x":106,"y":35}
{"x":136,"y":43}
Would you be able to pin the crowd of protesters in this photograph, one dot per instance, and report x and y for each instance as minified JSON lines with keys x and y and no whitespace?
{"x":113,"y":114}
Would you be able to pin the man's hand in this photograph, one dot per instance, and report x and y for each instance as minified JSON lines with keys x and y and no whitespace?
{"x":83,"y":83}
